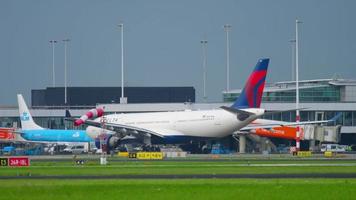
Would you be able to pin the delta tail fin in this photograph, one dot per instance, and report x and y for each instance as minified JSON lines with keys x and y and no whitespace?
{"x":27,"y":122}
{"x":251,"y":95}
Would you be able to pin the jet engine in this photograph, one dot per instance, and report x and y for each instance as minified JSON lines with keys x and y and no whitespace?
{"x":109,"y":138}
{"x":110,"y":142}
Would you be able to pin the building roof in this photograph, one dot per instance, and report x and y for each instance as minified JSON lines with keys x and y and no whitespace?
{"x":303,"y":84}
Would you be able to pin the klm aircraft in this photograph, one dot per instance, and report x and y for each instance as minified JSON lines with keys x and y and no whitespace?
{"x":32,"y":132}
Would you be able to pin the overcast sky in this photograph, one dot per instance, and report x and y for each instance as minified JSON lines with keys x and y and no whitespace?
{"x":162,"y":42}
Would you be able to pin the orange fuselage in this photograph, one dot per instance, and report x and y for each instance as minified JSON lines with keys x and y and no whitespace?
{"x":284,"y":132}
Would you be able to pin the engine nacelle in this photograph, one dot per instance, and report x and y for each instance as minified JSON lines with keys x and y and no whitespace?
{"x":94,"y":132}
{"x":108,"y":137}
{"x":109,"y":142}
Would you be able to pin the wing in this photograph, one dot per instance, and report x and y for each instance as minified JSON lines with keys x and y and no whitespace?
{"x":255,"y":126}
{"x":119,"y":128}
{"x":125,"y":128}
{"x":281,"y":123}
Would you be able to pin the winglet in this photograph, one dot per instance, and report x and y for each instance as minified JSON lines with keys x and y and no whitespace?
{"x":93,"y":113}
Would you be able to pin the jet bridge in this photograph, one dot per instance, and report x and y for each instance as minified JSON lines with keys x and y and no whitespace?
{"x":254,"y":143}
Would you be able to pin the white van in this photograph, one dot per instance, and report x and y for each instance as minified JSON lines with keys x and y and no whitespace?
{"x":76,"y":149}
{"x":333,"y":147}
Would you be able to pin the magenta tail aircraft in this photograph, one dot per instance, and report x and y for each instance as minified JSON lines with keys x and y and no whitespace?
{"x":182,"y":126}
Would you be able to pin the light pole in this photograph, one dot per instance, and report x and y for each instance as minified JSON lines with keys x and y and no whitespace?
{"x":293,"y":59}
{"x":65,"y":70}
{"x":204,"y":45}
{"x":53,"y":42}
{"x":123,"y":100}
{"x":227,"y":28}
{"x":297,"y":117}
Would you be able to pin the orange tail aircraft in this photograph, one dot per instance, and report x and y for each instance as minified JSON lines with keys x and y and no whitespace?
{"x":7,"y":133}
{"x":284,"y":132}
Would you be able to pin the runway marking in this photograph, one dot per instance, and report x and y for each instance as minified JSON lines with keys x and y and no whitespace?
{"x":215,"y":165}
{"x":192,"y":176}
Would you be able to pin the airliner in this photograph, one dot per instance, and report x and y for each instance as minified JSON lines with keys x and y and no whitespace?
{"x":183,"y":126}
{"x":30,"y":131}
{"x":281,"y":129}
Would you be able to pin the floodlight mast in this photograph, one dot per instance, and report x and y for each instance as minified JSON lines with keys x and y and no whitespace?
{"x":293,"y":59}
{"x":53,"y":42}
{"x":297,"y":117}
{"x":65,"y":70}
{"x":123,"y":100}
{"x":204,"y":46}
{"x":227,"y":28}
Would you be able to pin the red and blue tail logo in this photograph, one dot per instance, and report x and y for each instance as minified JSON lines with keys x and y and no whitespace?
{"x":251,"y":95}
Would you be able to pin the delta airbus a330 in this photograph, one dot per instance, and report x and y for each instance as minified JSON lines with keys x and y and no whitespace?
{"x":182,"y":126}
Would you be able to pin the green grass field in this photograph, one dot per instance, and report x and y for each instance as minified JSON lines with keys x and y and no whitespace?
{"x":179,"y":188}
{"x":177,"y":167}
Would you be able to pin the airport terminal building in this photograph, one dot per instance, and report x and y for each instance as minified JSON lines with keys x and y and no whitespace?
{"x":48,"y":107}
{"x":91,"y":96}
{"x":321,"y":98}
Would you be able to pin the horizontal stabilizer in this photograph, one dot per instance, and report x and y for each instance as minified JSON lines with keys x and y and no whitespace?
{"x":68,"y":115}
{"x":241,"y":114}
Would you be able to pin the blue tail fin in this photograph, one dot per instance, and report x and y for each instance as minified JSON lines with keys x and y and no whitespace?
{"x":251,"y":95}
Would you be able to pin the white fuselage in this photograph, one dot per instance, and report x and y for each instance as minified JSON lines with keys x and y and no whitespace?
{"x":204,"y":123}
